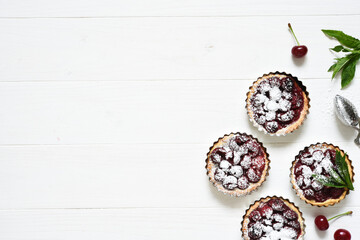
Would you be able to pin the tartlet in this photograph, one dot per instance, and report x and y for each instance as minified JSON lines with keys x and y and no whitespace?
{"x":318,"y":159}
{"x":277,"y":103}
{"x":273,"y":218}
{"x":237,"y":164}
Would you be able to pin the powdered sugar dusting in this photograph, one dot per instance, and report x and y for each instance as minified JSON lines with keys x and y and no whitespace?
{"x":272,"y":106}
{"x":237,"y":158}
{"x":238,"y":162}
{"x":314,"y":160}
{"x":300,"y":180}
{"x":316,"y":185}
{"x":284,"y":105}
{"x":230,"y":182}
{"x":243,"y":183}
{"x":278,"y":218}
{"x":264,"y":87}
{"x":326,"y":164}
{"x":307,"y":182}
{"x":229,"y":153}
{"x":318,"y":170}
{"x":278,"y":226}
{"x":290,"y":214}
{"x":287,"y":95}
{"x":246,"y":162}
{"x":294,"y":224}
{"x":225,"y":165}
{"x":236,"y":171}
{"x":318,"y":155}
{"x":286,"y":117}
{"x":275,"y":93}
{"x":267,"y":212}
{"x":270,"y":115}
{"x":309,"y":193}
{"x":271,"y":127}
{"x":256,"y":230}
{"x":307,"y":160}
{"x":306,"y":171}
{"x":281,"y":225}
{"x":219,"y":175}
{"x":276,"y":102}
{"x":217,"y":158}
{"x":252,"y":175}
{"x":288,"y":233}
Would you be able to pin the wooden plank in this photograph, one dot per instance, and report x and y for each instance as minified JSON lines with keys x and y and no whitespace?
{"x":220,"y":223}
{"x":134,"y":175}
{"x":165,"y":48}
{"x":152,"y":112}
{"x":101,"y":8}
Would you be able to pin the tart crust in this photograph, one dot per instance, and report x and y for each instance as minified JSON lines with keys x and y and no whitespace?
{"x":291,"y":205}
{"x":328,"y":202}
{"x":290,"y":128}
{"x":211,"y":167}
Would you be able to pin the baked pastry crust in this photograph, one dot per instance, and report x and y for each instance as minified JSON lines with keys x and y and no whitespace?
{"x":211,"y":167}
{"x":290,"y":128}
{"x":328,"y":202}
{"x":246,"y":220}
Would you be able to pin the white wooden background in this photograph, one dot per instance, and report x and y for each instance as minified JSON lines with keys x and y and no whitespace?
{"x":108,"y":108}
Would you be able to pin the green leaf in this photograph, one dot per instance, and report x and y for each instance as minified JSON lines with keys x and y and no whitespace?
{"x":337,"y":48}
{"x":327,"y":181}
{"x":348,"y":71}
{"x":340,"y":178}
{"x":346,"y":64}
{"x":339,"y":65}
{"x":344,"y":39}
{"x":336,"y":177}
{"x":332,"y":67}
{"x":340,"y":162}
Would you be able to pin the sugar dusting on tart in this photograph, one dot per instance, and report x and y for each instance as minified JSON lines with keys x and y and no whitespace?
{"x":273,"y":218}
{"x":277,"y":103}
{"x":317,"y":159}
{"x":237,"y":164}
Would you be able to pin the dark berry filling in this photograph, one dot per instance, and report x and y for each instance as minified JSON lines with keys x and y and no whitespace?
{"x":317,"y":161}
{"x":277,"y":103}
{"x":273,"y":220}
{"x":239,"y":162}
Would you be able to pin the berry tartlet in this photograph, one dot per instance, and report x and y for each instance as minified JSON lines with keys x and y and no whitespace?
{"x":277,"y":103}
{"x":273,"y":218}
{"x":318,"y":160}
{"x":237,"y":164}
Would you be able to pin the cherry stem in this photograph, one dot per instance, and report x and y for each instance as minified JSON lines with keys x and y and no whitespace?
{"x":293,"y":34}
{"x":343,"y":214}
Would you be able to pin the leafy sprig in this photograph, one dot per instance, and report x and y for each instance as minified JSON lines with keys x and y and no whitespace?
{"x":339,"y":176}
{"x":346,"y":64}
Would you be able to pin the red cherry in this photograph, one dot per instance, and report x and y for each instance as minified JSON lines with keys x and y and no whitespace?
{"x":321,"y":222}
{"x":299,"y":50}
{"x":342,"y":234}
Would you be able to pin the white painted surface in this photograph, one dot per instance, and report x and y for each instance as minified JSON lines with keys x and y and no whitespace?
{"x":108,"y":109}
{"x":115,"y":8}
{"x":158,"y":48}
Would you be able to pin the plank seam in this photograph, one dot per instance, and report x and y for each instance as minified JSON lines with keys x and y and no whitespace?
{"x":179,"y":16}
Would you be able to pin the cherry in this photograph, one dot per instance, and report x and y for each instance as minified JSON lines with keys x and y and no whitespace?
{"x":299,"y":50}
{"x":342,"y":234}
{"x":323,"y":224}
